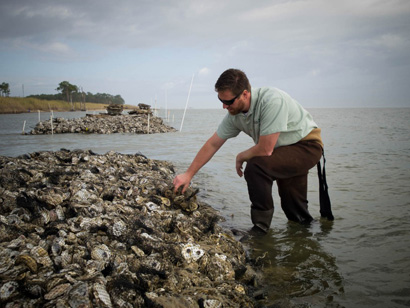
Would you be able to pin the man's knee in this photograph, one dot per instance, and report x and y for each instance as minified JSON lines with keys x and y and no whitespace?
{"x":252,"y":167}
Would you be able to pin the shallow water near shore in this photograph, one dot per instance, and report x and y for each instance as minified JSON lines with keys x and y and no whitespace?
{"x":359,"y":260}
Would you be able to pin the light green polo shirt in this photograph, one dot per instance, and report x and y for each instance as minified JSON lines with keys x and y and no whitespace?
{"x":271,"y":111}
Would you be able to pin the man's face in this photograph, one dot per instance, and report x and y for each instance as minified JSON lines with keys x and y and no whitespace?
{"x":234,"y":104}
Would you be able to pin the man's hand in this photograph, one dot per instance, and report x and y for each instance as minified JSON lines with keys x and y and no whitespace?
{"x":182,"y":180}
{"x":239,"y":163}
{"x":264,"y":147}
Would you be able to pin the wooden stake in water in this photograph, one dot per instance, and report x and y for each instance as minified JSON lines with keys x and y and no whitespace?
{"x":24,"y":125}
{"x":38,"y":116}
{"x":51,"y":122}
{"x":186,"y":105}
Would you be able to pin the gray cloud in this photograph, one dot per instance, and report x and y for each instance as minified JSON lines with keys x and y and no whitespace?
{"x":334,"y":45}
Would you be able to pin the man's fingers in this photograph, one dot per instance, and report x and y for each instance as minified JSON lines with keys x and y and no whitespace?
{"x":176,"y":185}
{"x":179,"y":186}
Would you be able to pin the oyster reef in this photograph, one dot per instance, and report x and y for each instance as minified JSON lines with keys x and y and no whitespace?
{"x":79,"y":229}
{"x":104,"y":124}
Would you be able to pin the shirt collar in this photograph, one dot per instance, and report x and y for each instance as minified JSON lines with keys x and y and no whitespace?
{"x":254,"y":99}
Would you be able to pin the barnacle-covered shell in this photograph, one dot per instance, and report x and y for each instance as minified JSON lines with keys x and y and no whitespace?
{"x":139,"y":252}
{"x":41,"y":256}
{"x":28,"y":261}
{"x":52,"y":197}
{"x":212,"y":303}
{"x":8,"y":290}
{"x":57,"y":246}
{"x":240,"y":289}
{"x":152,"y":206}
{"x":189,"y":206}
{"x":165,"y":201}
{"x":102,"y":296}
{"x":161,"y":200}
{"x":45,"y":216}
{"x":5,"y":261}
{"x":101,"y":253}
{"x":39,"y":252}
{"x":66,"y":258}
{"x":119,"y":227}
{"x":83,"y":196}
{"x":34,"y":290}
{"x":60,"y":212}
{"x":57,"y":291}
{"x":78,"y":296}
{"x":192,"y":252}
{"x":219,"y":269}
{"x":168,"y":193}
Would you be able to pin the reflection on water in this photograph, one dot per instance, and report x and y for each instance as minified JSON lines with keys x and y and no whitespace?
{"x":296,"y":268}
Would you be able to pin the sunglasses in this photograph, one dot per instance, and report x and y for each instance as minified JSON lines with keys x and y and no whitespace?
{"x":231,"y":101}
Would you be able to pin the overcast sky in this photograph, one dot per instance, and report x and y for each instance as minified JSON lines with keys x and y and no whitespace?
{"x":324,"y":53}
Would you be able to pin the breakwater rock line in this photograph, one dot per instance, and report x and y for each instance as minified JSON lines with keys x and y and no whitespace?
{"x":103,"y":124}
{"x":79,"y":229}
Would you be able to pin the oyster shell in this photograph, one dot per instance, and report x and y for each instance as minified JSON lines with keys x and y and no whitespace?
{"x":78,"y":296}
{"x":28,"y":261}
{"x":41,"y":256}
{"x":57,"y":291}
{"x":101,"y":253}
{"x":8,"y":290}
{"x":192,"y":252}
{"x":107,"y":230}
{"x":101,"y":295}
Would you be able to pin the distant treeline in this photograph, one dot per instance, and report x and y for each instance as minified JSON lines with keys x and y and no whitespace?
{"x":100,"y":98}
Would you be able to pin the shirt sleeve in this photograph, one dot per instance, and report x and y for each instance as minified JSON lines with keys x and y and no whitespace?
{"x":227,"y":129}
{"x":273,"y":116}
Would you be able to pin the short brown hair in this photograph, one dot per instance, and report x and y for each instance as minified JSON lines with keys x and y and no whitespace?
{"x":234,"y":80}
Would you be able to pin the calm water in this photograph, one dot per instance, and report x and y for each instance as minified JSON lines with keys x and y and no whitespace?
{"x":362,"y":259}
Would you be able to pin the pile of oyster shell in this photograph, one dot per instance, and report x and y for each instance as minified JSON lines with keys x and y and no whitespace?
{"x":136,"y":124}
{"x":78,"y":229}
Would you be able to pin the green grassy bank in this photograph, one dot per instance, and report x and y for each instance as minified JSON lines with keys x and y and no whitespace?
{"x":28,"y":104}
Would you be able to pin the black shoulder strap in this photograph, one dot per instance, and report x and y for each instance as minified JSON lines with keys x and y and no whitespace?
{"x":324,"y":199}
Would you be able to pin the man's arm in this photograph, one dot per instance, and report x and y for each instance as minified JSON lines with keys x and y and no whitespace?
{"x":265,"y":147}
{"x":204,"y":155}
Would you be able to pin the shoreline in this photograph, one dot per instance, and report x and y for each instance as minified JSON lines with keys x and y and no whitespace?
{"x":16,"y":105}
{"x":97,"y":108}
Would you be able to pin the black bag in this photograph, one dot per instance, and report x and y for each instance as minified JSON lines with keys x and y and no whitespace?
{"x":325,"y":206}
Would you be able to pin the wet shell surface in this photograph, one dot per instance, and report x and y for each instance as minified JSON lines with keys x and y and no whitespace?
{"x":80,"y":229}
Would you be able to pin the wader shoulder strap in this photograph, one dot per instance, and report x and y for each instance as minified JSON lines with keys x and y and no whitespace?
{"x":325,"y":206}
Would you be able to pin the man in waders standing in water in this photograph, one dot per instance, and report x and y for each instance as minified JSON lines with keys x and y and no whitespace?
{"x":287,"y":145}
